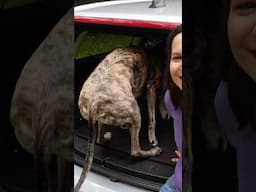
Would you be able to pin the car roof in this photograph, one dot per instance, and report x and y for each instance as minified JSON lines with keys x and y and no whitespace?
{"x":131,"y":10}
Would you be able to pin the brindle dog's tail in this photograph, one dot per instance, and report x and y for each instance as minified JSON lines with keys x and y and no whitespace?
{"x":92,"y":125}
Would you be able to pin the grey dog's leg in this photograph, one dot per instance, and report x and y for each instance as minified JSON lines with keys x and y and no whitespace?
{"x":151,"y":101}
{"x":161,"y":106}
{"x":134,"y":128}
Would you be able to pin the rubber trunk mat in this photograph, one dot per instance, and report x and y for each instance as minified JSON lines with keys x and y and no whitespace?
{"x":115,"y":155}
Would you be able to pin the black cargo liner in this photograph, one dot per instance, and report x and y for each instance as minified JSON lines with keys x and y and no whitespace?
{"x":113,"y":159}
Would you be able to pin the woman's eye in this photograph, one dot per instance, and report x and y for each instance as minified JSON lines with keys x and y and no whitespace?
{"x":246,"y":6}
{"x":177,"y":58}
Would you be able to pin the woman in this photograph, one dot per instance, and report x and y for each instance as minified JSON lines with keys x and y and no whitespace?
{"x":235,"y":98}
{"x":172,"y":99}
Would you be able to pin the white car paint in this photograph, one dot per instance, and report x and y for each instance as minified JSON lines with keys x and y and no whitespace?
{"x":132,"y":10}
{"x":98,"y":183}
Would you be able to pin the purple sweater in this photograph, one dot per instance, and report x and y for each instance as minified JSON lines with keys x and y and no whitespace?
{"x":177,"y":121}
{"x":243,"y":140}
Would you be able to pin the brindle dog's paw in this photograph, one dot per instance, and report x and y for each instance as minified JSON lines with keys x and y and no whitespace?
{"x":108,"y":136}
{"x":153,"y":140}
{"x":103,"y":139}
{"x":141,"y":154}
{"x":156,"y":151}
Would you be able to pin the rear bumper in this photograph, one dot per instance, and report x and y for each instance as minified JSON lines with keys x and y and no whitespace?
{"x":98,"y":183}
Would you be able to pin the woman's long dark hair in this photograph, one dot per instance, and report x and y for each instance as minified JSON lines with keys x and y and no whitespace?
{"x":176,"y":93}
{"x":184,"y":100}
{"x":241,"y":88}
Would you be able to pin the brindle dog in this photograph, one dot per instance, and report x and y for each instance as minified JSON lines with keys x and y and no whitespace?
{"x":109,"y":95}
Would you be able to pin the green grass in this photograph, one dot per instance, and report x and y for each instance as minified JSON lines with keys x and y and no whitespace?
{"x":96,"y":43}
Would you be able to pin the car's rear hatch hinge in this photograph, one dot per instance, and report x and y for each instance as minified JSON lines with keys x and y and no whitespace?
{"x":157,"y":3}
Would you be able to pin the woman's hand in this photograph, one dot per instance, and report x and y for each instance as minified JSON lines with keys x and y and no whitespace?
{"x":178,"y":153}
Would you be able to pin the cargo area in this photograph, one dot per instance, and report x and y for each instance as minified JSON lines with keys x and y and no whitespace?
{"x":113,"y":158}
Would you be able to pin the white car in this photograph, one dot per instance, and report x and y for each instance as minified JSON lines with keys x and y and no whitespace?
{"x":100,"y":27}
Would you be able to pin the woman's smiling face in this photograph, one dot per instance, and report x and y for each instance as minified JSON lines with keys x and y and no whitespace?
{"x":242,"y":34}
{"x":176,"y":60}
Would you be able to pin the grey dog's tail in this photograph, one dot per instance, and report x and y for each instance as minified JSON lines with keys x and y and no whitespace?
{"x":92,"y":125}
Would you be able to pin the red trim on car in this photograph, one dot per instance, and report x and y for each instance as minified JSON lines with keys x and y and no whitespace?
{"x":129,"y":23}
